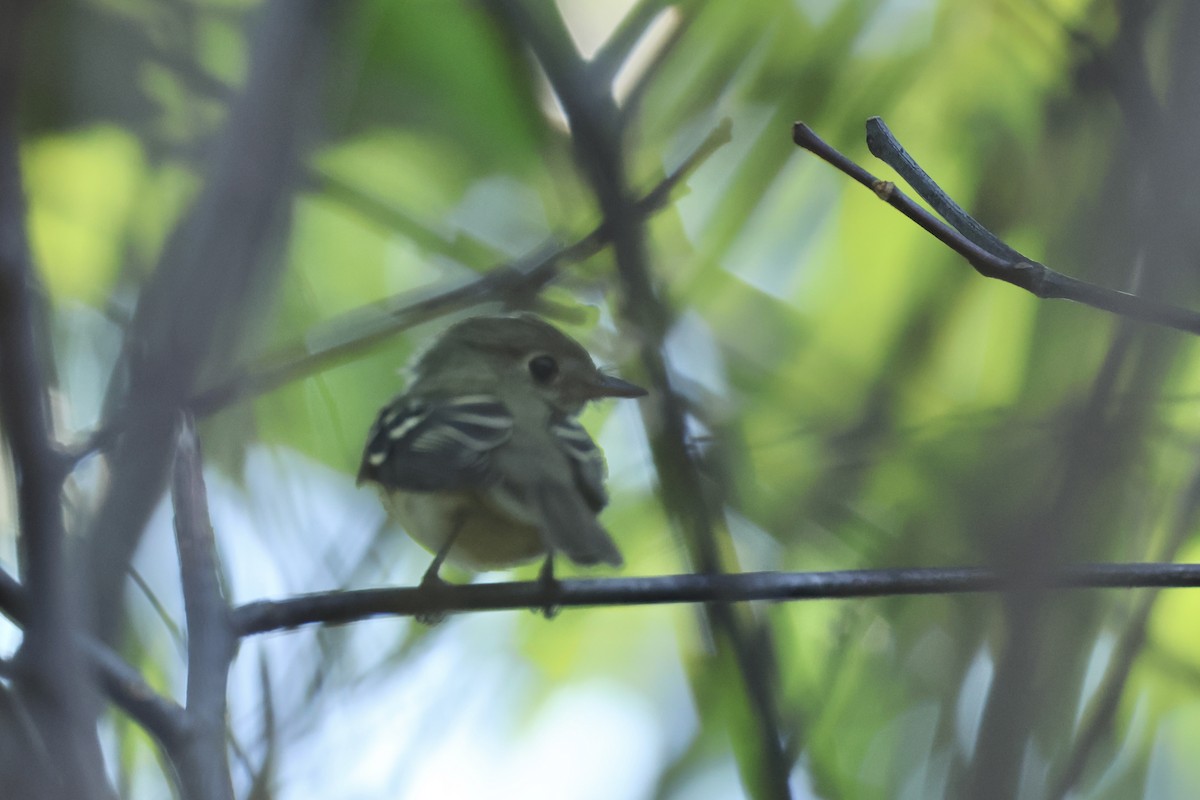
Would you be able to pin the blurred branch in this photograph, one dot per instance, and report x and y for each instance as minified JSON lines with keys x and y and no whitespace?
{"x":340,"y":607}
{"x":262,"y":776}
{"x":1122,"y":64}
{"x":125,"y":687}
{"x":12,"y":598}
{"x":49,"y":672}
{"x":161,"y":717}
{"x":521,"y":279}
{"x":597,"y":137}
{"x":203,"y":763}
{"x":993,"y":259}
{"x":613,"y":55}
{"x":463,"y":247}
{"x":636,"y":92}
{"x":1102,"y":708}
{"x":216,"y":270}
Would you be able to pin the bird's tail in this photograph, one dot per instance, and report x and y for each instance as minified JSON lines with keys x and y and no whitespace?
{"x":570,"y":527}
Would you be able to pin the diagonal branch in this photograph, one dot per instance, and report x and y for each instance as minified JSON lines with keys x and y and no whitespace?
{"x":614,"y":54}
{"x":462,"y":247}
{"x":125,"y":687}
{"x":884,"y":146}
{"x":164,"y":719}
{"x":1029,"y":275}
{"x":524,"y":278}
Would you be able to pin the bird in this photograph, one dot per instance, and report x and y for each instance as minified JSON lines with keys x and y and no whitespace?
{"x":482,"y":460}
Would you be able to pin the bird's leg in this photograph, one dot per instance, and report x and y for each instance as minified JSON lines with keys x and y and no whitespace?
{"x":431,"y":581}
{"x":431,"y":576}
{"x":549,"y":585}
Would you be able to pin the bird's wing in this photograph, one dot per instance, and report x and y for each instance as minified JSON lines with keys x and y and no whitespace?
{"x":587,"y":462}
{"x":436,"y":444}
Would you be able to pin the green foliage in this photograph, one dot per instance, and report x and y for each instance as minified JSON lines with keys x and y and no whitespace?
{"x":860,"y":397}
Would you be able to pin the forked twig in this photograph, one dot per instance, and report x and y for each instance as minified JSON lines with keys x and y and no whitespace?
{"x":992,"y":258}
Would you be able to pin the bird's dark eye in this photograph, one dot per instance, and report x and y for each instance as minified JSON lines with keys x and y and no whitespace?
{"x":543,"y":368}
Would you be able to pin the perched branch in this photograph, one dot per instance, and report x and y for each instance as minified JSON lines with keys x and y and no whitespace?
{"x":1005,"y":264}
{"x":340,"y":607}
{"x":203,"y":763}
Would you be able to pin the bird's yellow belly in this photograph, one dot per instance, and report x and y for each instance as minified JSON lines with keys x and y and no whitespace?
{"x":489,"y":539}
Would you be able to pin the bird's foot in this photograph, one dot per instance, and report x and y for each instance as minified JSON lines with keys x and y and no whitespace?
{"x":432,"y":585}
{"x":550,"y":588}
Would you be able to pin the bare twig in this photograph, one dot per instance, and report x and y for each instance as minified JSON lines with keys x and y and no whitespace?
{"x":1032,"y":276}
{"x":884,"y":146}
{"x":203,"y":764}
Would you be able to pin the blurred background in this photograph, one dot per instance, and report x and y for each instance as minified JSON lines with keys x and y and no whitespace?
{"x":261,"y":205}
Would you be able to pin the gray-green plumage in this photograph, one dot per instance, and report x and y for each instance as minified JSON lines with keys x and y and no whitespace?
{"x":484,"y":446}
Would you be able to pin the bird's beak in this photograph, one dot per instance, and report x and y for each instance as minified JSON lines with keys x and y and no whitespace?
{"x":608,"y":386}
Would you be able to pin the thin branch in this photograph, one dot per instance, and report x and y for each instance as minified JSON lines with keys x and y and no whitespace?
{"x":204,"y":763}
{"x":884,"y":146}
{"x":341,"y":607}
{"x":1029,"y":275}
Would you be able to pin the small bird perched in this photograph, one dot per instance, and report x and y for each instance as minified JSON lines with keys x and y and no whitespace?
{"x":482,"y":460}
